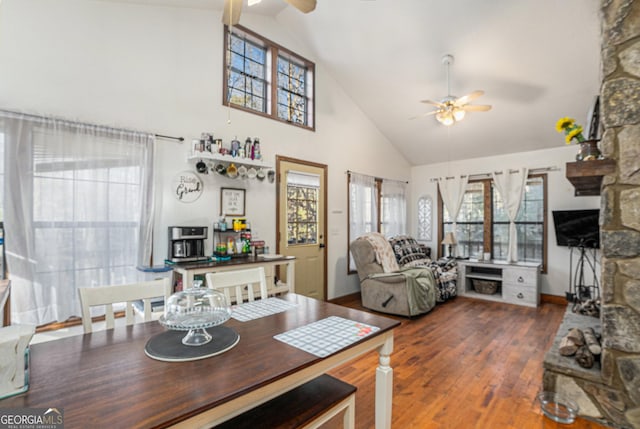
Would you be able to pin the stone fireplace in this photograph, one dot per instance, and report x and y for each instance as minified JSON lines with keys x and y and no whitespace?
{"x":610,"y":392}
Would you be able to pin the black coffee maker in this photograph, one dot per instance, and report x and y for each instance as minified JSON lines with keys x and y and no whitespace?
{"x":186,"y":243}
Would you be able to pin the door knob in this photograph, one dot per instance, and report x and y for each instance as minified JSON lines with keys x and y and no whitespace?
{"x":321,"y":245}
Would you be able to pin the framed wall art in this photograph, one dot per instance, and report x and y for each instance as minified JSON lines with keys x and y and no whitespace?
{"x":232,"y":202}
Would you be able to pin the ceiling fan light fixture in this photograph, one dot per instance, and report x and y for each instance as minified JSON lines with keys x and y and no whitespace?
{"x":453,"y":109}
{"x":445,"y":118}
{"x":458,"y":114}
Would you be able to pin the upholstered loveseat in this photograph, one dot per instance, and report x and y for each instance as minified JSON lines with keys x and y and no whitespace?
{"x":397,"y":277}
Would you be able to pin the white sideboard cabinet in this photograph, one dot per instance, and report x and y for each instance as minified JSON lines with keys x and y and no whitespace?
{"x":516,"y":283}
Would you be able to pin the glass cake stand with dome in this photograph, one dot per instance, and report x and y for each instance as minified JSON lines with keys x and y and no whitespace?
{"x":194,"y":310}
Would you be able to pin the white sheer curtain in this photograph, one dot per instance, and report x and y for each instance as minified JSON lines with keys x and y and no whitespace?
{"x":452,"y":190}
{"x":363,"y":213}
{"x":394,"y":207}
{"x":510,"y":185}
{"x":78,"y":211}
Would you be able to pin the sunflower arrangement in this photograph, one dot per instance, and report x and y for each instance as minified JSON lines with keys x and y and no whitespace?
{"x":571,"y":129}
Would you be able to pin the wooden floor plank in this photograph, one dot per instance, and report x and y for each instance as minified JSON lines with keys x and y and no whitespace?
{"x":466,"y":364}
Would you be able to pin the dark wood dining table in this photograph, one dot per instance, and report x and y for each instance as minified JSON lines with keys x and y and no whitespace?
{"x":105,"y":380}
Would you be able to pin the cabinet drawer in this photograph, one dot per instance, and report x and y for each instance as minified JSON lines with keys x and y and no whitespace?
{"x":522,"y":295}
{"x":520,"y":276}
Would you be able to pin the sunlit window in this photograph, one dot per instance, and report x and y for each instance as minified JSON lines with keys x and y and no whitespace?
{"x":253,"y":66}
{"x":302,"y":208}
{"x":483,"y":225}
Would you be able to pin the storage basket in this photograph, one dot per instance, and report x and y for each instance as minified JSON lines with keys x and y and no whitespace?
{"x":486,"y":287}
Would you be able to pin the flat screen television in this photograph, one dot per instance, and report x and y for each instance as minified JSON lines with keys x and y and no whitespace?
{"x":577,"y":228}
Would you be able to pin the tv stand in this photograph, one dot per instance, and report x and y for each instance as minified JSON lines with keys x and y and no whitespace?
{"x":516,"y":283}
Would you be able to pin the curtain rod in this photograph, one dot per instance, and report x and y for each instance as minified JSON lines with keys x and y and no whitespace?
{"x":478,"y":176}
{"x":160,"y":136}
{"x":85,"y":124}
{"x":375,"y":177}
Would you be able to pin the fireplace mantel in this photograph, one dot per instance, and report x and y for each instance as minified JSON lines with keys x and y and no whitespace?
{"x":586,"y":176}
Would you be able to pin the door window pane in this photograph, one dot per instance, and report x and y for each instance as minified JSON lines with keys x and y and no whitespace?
{"x":302,"y":208}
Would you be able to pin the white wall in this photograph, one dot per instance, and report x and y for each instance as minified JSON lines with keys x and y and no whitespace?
{"x":560,"y":197}
{"x":159,"y":69}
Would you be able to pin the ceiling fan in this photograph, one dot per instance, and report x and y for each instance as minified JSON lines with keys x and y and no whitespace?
{"x":453,"y":109}
{"x":233,"y":8}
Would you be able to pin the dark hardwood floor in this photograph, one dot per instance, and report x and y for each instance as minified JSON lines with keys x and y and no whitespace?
{"x":466,"y":364}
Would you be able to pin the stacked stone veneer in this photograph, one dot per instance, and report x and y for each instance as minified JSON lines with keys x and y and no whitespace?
{"x":613,"y":397}
{"x":620,"y":95}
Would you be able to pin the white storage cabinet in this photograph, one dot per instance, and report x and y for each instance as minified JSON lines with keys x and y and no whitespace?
{"x":517,"y":283}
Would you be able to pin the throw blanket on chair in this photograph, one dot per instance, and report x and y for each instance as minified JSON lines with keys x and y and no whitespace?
{"x":384,"y":253}
{"x":409,"y":253}
{"x":421,"y":290}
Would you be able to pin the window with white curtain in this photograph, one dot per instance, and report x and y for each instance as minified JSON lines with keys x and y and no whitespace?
{"x":80,"y":212}
{"x":363,"y":210}
{"x":393,"y":208}
{"x":375,"y":205}
{"x":478,"y":230}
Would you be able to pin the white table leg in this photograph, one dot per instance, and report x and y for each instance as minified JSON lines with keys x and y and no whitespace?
{"x":291,"y":276}
{"x":384,"y":386}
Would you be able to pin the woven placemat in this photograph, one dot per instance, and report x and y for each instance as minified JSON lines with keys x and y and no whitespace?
{"x":326,"y":336}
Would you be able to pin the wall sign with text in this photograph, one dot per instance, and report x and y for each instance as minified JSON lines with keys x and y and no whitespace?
{"x":187,"y":186}
{"x":232,"y":202}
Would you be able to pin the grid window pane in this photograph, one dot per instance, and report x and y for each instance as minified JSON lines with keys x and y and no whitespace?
{"x":246,"y":84}
{"x":292,"y":97}
{"x":302,"y":215}
{"x":254,"y":66}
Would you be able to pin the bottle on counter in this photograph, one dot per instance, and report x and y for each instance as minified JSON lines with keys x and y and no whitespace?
{"x":231,"y":244}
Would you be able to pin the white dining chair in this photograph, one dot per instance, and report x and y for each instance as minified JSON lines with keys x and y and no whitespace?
{"x":238,"y":284}
{"x":129,"y":293}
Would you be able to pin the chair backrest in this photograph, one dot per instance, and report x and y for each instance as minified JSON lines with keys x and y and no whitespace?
{"x":238,"y":284}
{"x":364,"y":257}
{"x":129,"y":293}
{"x":383,"y":251}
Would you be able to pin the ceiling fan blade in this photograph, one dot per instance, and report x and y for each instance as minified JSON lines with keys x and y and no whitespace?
{"x":435,"y":103}
{"x":231,"y":14}
{"x":468,"y":98}
{"x":424,"y":114}
{"x":476,"y":107}
{"x":304,"y":6}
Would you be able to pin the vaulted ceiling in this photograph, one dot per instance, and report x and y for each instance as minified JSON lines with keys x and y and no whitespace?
{"x":536,"y":60}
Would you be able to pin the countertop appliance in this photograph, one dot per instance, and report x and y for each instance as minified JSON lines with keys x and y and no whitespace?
{"x":186,"y":243}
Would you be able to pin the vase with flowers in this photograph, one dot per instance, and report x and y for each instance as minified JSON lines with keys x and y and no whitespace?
{"x":588,"y":148}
